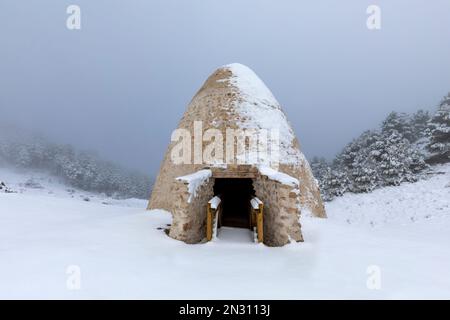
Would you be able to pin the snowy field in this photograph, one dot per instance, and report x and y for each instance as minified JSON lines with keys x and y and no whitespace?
{"x":122,"y":251}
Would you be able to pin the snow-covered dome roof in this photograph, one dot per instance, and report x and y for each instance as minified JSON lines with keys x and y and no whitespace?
{"x":249,"y":104}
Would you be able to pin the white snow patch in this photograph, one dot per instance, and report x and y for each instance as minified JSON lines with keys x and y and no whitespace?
{"x":255,"y":202}
{"x":405,"y":204}
{"x":214,"y":202}
{"x":281,"y":177}
{"x":38,"y":183}
{"x":195,"y":180}
{"x":260,"y":110}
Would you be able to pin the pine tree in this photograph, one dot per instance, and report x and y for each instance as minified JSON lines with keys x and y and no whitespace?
{"x":351,"y":154}
{"x":439,"y":134}
{"x":399,"y":122}
{"x":319,"y":167}
{"x":363,"y":178}
{"x":419,"y":123}
{"x":416,"y":163}
{"x":334,"y":183}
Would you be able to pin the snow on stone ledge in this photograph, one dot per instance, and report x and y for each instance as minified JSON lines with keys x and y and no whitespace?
{"x":279,"y":176}
{"x":255,"y":202}
{"x":214,"y":202}
{"x":195,"y":180}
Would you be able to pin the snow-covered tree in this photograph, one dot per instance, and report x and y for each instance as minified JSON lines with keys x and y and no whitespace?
{"x":391,"y":157}
{"x":399,"y":122}
{"x":363,"y":178}
{"x":319,"y":166}
{"x":334,"y":183}
{"x":419,"y":123}
{"x":374,"y":159}
{"x":79,"y":169}
{"x":439,"y":133}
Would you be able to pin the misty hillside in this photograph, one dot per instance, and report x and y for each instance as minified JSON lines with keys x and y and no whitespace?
{"x":402,"y":149}
{"x":79,"y":169}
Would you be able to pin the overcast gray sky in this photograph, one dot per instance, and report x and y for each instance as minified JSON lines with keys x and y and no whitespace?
{"x":121,"y":83}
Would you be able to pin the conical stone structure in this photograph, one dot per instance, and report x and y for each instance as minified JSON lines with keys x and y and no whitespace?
{"x":234,"y":97}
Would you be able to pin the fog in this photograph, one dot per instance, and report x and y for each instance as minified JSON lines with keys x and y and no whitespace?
{"x":121,"y":83}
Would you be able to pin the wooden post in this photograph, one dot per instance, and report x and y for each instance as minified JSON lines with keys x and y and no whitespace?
{"x":260,"y":223}
{"x":252,"y":218}
{"x":209,"y":222}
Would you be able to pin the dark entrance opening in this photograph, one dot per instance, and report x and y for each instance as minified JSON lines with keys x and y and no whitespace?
{"x":235,"y":194}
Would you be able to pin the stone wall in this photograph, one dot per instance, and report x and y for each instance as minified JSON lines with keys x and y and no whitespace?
{"x":189,"y":218}
{"x":281,"y":211}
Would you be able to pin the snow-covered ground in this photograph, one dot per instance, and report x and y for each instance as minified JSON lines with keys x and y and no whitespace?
{"x":427,"y":199}
{"x":399,"y":236}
